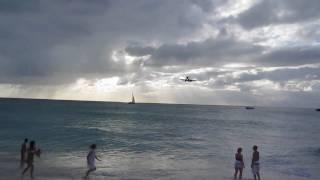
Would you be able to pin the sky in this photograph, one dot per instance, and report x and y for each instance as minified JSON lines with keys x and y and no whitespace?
{"x":241,"y":52}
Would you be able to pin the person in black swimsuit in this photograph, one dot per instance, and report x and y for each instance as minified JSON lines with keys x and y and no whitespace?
{"x":255,"y":165}
{"x":30,"y":158}
{"x":239,"y":164}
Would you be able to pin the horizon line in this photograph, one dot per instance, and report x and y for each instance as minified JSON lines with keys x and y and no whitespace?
{"x":164,"y":103}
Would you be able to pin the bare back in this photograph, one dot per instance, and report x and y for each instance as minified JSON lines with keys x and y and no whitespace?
{"x":239,"y":157}
{"x":23,"y":148}
{"x":255,"y":156}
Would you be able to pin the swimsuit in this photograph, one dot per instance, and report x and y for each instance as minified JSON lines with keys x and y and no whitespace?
{"x":255,"y":167}
{"x":238,"y":164}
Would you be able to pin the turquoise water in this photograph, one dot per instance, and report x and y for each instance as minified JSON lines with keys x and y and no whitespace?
{"x":158,"y":141}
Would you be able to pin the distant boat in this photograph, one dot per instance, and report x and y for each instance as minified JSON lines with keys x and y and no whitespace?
{"x":317,"y":109}
{"x":132,"y":100}
{"x":249,"y":107}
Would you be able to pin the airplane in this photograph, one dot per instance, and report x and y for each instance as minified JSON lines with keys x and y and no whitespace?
{"x":187,"y":79}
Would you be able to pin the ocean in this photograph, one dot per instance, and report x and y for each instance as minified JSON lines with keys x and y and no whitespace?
{"x":158,"y":141}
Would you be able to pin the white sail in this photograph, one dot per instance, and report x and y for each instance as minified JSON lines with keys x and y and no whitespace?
{"x":132,"y":100}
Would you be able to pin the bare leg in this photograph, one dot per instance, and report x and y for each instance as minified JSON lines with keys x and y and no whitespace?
{"x":240,"y":175}
{"x":235,"y":173}
{"x":26,"y":169}
{"x":89,"y":171}
{"x":258,"y":176}
{"x":22,"y":160}
{"x":21,"y":164}
{"x":31,"y":172}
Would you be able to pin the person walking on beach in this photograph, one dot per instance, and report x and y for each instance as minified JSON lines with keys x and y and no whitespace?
{"x":23,"y":152}
{"x":255,"y":166}
{"x":30,"y":158}
{"x":239,"y":164}
{"x":91,"y":157}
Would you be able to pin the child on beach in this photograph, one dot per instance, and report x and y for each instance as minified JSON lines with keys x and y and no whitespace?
{"x":239,"y":164}
{"x":30,"y":158}
{"x":23,"y":152}
{"x":255,"y":166}
{"x":91,"y":157}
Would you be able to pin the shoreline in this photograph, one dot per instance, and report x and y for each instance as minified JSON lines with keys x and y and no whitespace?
{"x":46,"y":171}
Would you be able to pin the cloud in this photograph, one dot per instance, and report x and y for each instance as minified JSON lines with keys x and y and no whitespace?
{"x":236,"y":51}
{"x":271,"y":12}
{"x":303,"y":78}
{"x":291,"y":56}
{"x":220,"y":51}
{"x":208,"y":52}
{"x":42,"y":39}
{"x":7,"y":6}
{"x":282,"y":75}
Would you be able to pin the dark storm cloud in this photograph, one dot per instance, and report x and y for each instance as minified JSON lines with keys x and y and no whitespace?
{"x":208,"y":52}
{"x":32,"y":6}
{"x":270,"y":12}
{"x":29,"y":37}
{"x":10,"y":6}
{"x":224,"y":51}
{"x":42,"y":39}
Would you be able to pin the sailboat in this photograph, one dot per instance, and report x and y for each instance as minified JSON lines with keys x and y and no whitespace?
{"x":132,"y":100}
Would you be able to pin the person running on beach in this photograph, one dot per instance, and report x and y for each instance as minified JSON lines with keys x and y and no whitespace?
{"x":30,"y":158}
{"x":255,"y":166}
{"x":239,"y":164}
{"x":91,"y":157}
{"x":23,"y":152}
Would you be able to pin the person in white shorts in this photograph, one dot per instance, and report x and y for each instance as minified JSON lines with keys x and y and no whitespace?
{"x":239,"y":164}
{"x":91,"y":157}
{"x":255,"y":165}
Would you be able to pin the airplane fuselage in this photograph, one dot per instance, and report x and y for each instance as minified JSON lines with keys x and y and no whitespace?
{"x":187,"y":79}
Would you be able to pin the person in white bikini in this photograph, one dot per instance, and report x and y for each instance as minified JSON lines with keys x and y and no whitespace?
{"x":239,"y":164}
{"x":255,"y":165}
{"x":91,"y":157}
